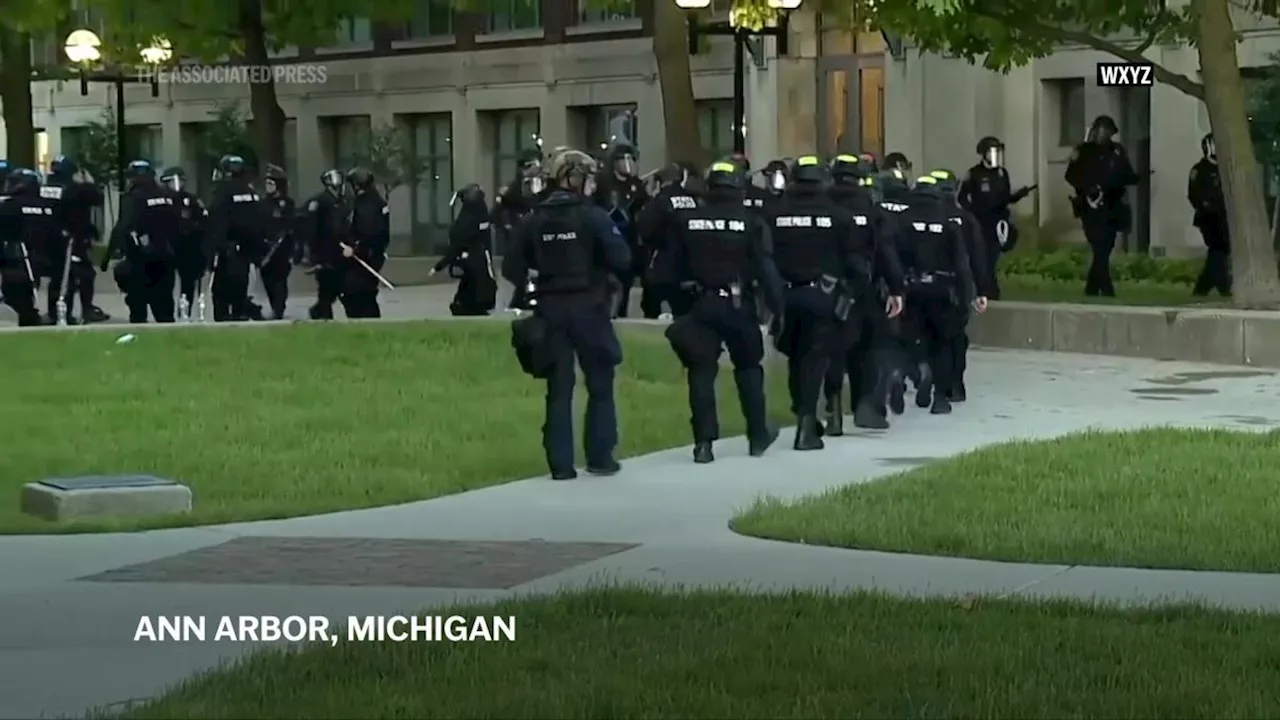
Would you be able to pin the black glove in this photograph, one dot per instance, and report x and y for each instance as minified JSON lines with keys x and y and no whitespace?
{"x":1021,"y":193}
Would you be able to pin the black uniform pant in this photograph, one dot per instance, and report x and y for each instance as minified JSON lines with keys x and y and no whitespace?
{"x":147,"y":286}
{"x":328,"y":289}
{"x":20,"y":295}
{"x":1216,"y":272}
{"x":940,"y":322}
{"x":80,"y":282}
{"x":477,"y":291}
{"x":809,"y":333}
{"x":1100,"y":232}
{"x":360,"y":292}
{"x":991,"y":240}
{"x":712,"y":324}
{"x":190,"y":269}
{"x":626,"y":281}
{"x":579,"y":327}
{"x":275,"y":282}
{"x":865,"y":354}
{"x":230,"y":291}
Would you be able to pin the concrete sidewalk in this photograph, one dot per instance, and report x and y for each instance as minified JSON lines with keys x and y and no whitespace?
{"x":67,"y":643}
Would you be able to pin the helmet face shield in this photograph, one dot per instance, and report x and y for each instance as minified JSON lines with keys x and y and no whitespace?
{"x":625,"y":165}
{"x":776,"y":180}
{"x":270,"y":186}
{"x":993,"y":157}
{"x":173,"y":182}
{"x":534,"y":185}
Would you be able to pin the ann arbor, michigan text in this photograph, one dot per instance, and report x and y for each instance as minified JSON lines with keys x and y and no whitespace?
{"x":319,"y":629}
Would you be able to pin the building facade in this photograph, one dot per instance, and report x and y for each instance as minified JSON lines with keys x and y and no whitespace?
{"x":474,"y":90}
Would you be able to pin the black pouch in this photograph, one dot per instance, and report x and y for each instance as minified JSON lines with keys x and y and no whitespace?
{"x":691,"y":342}
{"x":529,"y":340}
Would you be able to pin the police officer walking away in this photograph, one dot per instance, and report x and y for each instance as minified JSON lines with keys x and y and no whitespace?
{"x":276,"y":261}
{"x":657,"y":227}
{"x":80,"y":196}
{"x":188,"y":251}
{"x":1204,"y":192}
{"x":143,"y":238}
{"x":324,"y":225}
{"x":940,"y":285}
{"x":622,"y":194}
{"x":237,"y":228}
{"x":469,"y":254}
{"x":365,"y":247}
{"x":22,"y":221}
{"x":515,"y":201}
{"x":573,"y":247}
{"x":982,"y":270}
{"x":817,"y":247}
{"x":721,"y":251}
{"x":987,"y":194}
{"x":1099,"y":171}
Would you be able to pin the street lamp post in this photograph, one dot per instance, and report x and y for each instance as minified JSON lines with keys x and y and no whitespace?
{"x":84,"y":49}
{"x":741,"y":35}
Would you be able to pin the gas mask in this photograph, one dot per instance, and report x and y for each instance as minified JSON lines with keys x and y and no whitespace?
{"x":173,"y":182}
{"x":625,"y":165}
{"x":993,"y":157}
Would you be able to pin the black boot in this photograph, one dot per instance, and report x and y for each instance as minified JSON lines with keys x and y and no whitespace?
{"x":757,"y":446}
{"x":958,"y":393}
{"x":702,"y":453}
{"x":924,"y":389}
{"x":941,"y":405}
{"x":835,"y":417}
{"x":95,"y":315}
{"x":898,"y":397}
{"x":808,"y":433}
{"x":867,"y":417}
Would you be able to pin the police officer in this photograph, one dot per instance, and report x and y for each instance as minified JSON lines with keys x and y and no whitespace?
{"x":79,"y":197}
{"x":573,"y":246}
{"x":276,"y":261}
{"x":237,"y":229}
{"x":940,"y":285}
{"x":775,"y":177}
{"x":22,"y":223}
{"x":366,"y":246}
{"x":905,"y":354}
{"x":322,"y":226}
{"x":721,"y":250}
{"x":656,"y":227}
{"x":980,"y":268}
{"x":863,"y":347}
{"x":469,"y":254}
{"x":1204,"y":192}
{"x":622,"y":194}
{"x":818,"y":247}
{"x":898,"y":161}
{"x":143,"y":240}
{"x":516,"y":200}
{"x":987,"y":193}
{"x":756,"y":199}
{"x":1099,"y":171}
{"x":188,"y":251}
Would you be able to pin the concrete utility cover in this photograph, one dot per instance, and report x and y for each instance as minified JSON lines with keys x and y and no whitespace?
{"x":363,"y":562}
{"x":106,"y":482}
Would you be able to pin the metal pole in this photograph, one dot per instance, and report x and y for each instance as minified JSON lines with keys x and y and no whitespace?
{"x":739,"y":91}
{"x":121,"y":153}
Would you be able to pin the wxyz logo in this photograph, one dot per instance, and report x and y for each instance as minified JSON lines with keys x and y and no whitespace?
{"x":1126,"y":75}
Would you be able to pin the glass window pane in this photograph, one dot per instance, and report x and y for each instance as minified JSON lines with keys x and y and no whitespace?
{"x":430,"y":19}
{"x":590,"y":12}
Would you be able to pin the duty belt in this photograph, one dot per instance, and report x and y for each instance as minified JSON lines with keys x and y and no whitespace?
{"x":732,"y":292}
{"x":933,"y":277}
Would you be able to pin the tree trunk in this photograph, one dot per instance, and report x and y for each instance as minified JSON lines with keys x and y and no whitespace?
{"x":671,"y":49}
{"x":1255,"y":280}
{"x":268,"y":118}
{"x":15,"y":96}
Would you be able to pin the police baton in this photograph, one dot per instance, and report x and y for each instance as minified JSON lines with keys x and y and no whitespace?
{"x":376,"y":275}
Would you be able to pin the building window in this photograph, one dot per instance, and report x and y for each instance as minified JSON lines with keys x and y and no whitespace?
{"x":354,"y":31}
{"x":143,"y":142}
{"x":507,"y":15}
{"x":590,"y":12}
{"x":1071,"y":117}
{"x":431,"y":145}
{"x":514,"y":131}
{"x":604,"y":125}
{"x":715,"y":126}
{"x":430,"y":19}
{"x":345,"y":139}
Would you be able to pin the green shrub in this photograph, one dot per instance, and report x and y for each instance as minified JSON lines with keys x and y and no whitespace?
{"x":1073,"y":264}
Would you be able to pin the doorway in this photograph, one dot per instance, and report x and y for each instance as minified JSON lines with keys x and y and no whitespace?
{"x":1135,"y":135}
{"x":851,"y":104}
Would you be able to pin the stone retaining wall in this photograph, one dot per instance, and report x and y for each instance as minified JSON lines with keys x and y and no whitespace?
{"x":1233,"y":337}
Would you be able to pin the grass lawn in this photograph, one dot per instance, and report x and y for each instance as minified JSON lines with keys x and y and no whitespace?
{"x":1033,"y":288}
{"x":304,"y":419}
{"x":1192,"y":499}
{"x":628,"y":653}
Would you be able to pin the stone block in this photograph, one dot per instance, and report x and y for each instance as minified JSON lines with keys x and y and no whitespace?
{"x":1262,"y":339}
{"x":105,"y":497}
{"x":1209,"y":336}
{"x":1080,"y":329}
{"x":1023,"y":326}
{"x":1137,"y":332}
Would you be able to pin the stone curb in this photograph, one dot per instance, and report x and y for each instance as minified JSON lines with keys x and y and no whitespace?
{"x":1230,"y":337}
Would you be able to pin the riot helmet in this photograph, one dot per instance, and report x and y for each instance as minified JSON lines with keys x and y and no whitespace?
{"x":775,"y":175}
{"x":945,"y":180}
{"x":740,"y":159}
{"x":22,"y":181}
{"x":808,"y":171}
{"x":726,"y":174}
{"x":275,"y":182}
{"x":1209,"y":149}
{"x":898,"y":161}
{"x":63,"y":167}
{"x":869,"y":160}
{"x":530,"y":163}
{"x":892,"y":182}
{"x":575,"y":171}
{"x":1103,"y":130}
{"x":5,"y":169}
{"x":174,"y":178}
{"x":360,"y":179}
{"x":140,"y":172}
{"x":333,"y":181}
{"x":929,"y":186}
{"x":991,"y":150}
{"x":622,"y":158}
{"x":229,"y":166}
{"x":469,"y":199}
{"x":846,"y":170}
